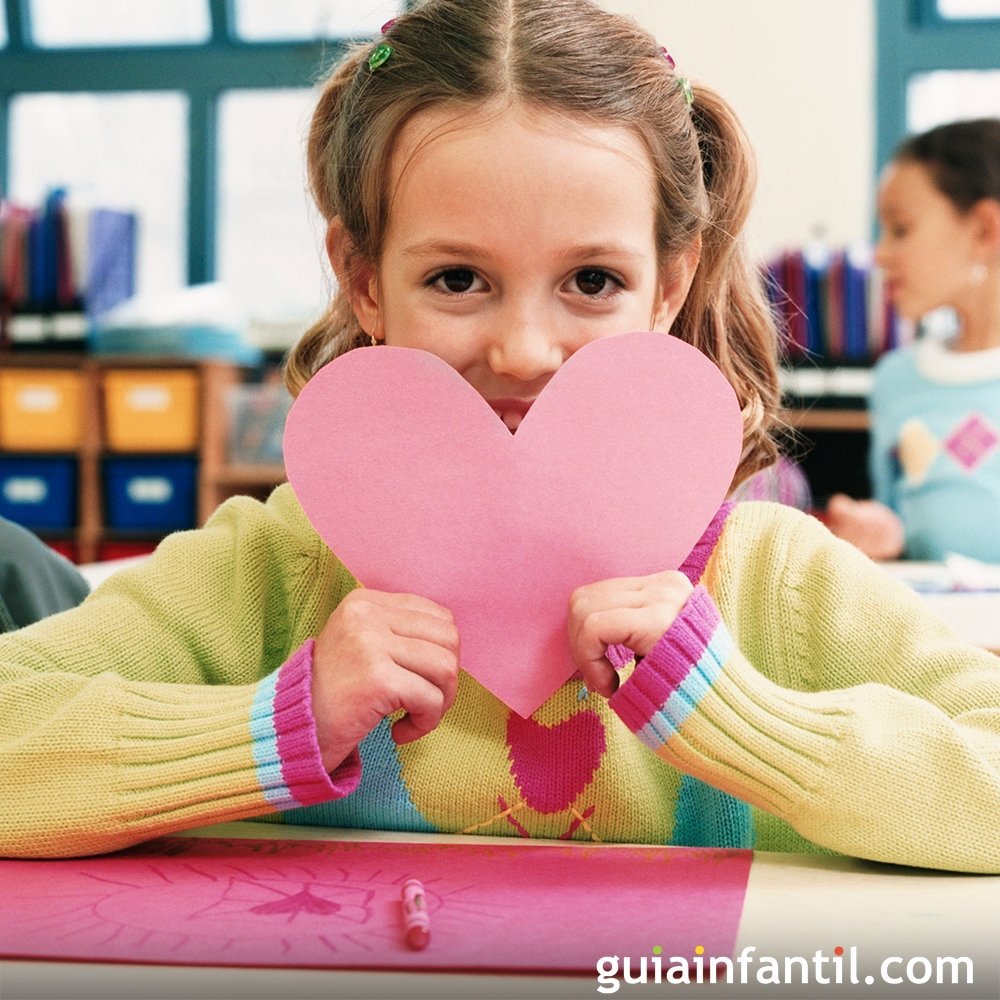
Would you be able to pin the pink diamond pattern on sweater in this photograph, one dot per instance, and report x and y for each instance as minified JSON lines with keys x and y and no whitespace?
{"x":972,"y":441}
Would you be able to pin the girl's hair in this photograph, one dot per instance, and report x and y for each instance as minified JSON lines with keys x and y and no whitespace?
{"x":575,"y":59}
{"x":963,"y":159}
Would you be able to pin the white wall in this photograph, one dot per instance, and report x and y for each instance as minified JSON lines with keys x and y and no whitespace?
{"x":801,"y":75}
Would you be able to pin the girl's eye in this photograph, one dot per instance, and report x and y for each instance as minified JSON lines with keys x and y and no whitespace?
{"x":455,"y":280}
{"x":593,"y":281}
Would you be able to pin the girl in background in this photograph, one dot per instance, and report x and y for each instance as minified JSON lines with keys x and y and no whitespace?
{"x":935,"y":407}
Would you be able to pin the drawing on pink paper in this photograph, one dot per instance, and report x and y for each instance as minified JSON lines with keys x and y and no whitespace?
{"x":214,"y":901}
{"x":616,"y":470}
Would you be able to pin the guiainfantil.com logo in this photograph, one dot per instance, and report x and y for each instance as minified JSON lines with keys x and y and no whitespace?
{"x":834,"y":968}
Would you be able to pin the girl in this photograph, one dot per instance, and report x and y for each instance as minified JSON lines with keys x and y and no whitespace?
{"x":504,"y":181}
{"x":935,"y":407}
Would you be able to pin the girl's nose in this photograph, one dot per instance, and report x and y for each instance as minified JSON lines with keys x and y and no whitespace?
{"x":525,"y":350}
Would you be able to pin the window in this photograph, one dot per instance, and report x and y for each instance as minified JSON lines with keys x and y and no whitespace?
{"x":265,"y":20}
{"x":191,"y":112}
{"x":111,"y":151}
{"x":73,"y":23}
{"x":938,"y":61}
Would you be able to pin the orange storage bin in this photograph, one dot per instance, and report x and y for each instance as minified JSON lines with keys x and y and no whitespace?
{"x":41,"y":409}
{"x":151,"y":409}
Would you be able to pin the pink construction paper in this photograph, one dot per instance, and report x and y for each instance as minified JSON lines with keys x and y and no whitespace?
{"x":336,"y":904}
{"x":417,"y":485}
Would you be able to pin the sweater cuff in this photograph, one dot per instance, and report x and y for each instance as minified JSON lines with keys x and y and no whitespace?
{"x":676,"y":673}
{"x":697,"y":703}
{"x":286,"y":751}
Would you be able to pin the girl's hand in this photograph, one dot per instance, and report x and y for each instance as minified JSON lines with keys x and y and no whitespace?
{"x":633,"y":611}
{"x":379,"y":653}
{"x":866,"y":524}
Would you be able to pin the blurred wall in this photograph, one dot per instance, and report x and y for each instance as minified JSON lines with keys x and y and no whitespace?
{"x":801,"y":75}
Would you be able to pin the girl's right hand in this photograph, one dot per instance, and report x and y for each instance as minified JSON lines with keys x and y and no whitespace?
{"x":868,"y":525}
{"x":379,"y":653}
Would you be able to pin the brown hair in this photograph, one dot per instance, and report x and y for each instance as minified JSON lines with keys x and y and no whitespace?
{"x":572,"y":57}
{"x":963,"y":159}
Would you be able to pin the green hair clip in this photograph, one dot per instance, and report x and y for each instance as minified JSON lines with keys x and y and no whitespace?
{"x":380,"y":55}
{"x":684,"y":86}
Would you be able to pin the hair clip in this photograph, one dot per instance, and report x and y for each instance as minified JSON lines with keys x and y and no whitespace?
{"x":380,"y":55}
{"x":382,"y":51}
{"x":683,"y":83}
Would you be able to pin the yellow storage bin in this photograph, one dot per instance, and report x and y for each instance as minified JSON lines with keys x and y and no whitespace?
{"x":151,"y":409}
{"x":41,"y":409}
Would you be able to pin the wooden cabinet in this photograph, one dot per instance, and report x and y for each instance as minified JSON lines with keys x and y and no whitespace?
{"x":831,"y":446}
{"x":97,"y":456}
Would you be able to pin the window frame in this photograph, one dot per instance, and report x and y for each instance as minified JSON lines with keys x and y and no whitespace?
{"x":202,"y":71}
{"x":911,"y":38}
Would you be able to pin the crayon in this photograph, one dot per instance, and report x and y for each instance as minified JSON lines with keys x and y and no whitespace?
{"x":416,"y":920}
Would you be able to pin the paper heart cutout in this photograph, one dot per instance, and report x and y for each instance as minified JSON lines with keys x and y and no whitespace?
{"x":414,"y":482}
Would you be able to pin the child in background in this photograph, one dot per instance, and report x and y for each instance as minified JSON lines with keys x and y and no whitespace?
{"x":35,"y":581}
{"x":935,"y":407}
{"x":505,"y":181}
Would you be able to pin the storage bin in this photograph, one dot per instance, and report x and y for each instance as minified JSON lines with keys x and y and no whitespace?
{"x":39,"y":493}
{"x":257,"y":416}
{"x":151,"y":493}
{"x":151,"y":409}
{"x":41,"y":409}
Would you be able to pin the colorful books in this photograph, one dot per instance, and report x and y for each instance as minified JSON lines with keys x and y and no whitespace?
{"x":831,"y":306}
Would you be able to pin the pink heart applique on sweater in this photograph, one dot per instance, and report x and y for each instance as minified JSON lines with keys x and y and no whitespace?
{"x":417,"y":486}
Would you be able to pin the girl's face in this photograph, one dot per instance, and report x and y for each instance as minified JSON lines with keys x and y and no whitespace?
{"x":926,"y":246}
{"x":513,"y":239}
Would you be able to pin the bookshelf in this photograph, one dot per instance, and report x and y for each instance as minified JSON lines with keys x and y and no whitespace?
{"x":92,"y":529}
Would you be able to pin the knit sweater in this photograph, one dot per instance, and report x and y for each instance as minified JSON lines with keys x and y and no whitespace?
{"x":935,"y":455}
{"x":801,"y":701}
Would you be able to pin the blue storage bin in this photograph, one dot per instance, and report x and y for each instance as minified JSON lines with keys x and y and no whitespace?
{"x":39,"y":493}
{"x":151,"y":493}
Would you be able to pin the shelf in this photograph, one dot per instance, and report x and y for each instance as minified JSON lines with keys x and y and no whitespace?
{"x":250,"y":475}
{"x":217,"y":479}
{"x":824,"y":419}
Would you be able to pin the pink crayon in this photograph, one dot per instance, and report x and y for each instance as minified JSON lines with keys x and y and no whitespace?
{"x":416,"y":920}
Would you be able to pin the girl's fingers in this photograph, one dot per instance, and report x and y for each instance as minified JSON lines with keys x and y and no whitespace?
{"x":633,"y":611}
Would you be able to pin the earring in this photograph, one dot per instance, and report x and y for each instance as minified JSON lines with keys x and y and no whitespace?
{"x":374,"y":340}
{"x":978,"y":273}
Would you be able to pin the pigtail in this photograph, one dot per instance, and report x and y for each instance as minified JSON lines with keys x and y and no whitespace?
{"x":337,"y":330}
{"x":727,"y":315}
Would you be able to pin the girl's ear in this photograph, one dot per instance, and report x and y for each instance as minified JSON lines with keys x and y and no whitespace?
{"x":356,"y":277}
{"x":986,"y":215}
{"x":675,"y":283}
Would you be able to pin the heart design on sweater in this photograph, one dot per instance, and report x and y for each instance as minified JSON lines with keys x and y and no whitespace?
{"x":552,"y":765}
{"x":414,"y":482}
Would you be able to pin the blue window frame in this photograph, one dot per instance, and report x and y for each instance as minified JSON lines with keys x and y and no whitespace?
{"x":915,"y":38}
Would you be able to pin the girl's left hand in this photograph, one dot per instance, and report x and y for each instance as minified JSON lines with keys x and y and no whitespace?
{"x":634,"y":611}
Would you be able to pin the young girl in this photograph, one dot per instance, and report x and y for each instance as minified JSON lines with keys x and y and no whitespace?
{"x":935,"y":407}
{"x":506,"y":180}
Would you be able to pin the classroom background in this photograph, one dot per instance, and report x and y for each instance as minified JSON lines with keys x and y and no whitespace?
{"x":158,"y":252}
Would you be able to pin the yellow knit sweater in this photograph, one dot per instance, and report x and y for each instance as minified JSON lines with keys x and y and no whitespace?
{"x":803,"y":700}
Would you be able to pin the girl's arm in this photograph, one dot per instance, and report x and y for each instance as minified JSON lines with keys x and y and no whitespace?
{"x":178,"y":693}
{"x":827,"y":694}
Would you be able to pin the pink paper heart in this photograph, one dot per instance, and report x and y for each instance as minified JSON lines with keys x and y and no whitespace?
{"x":418,"y":487}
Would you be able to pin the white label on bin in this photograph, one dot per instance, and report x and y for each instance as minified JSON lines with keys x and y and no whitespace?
{"x":149,"y":489}
{"x":38,"y":399}
{"x":148,"y":398}
{"x":25,"y":489}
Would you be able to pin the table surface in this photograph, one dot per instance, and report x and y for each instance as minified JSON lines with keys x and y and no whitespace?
{"x":795,"y":905}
